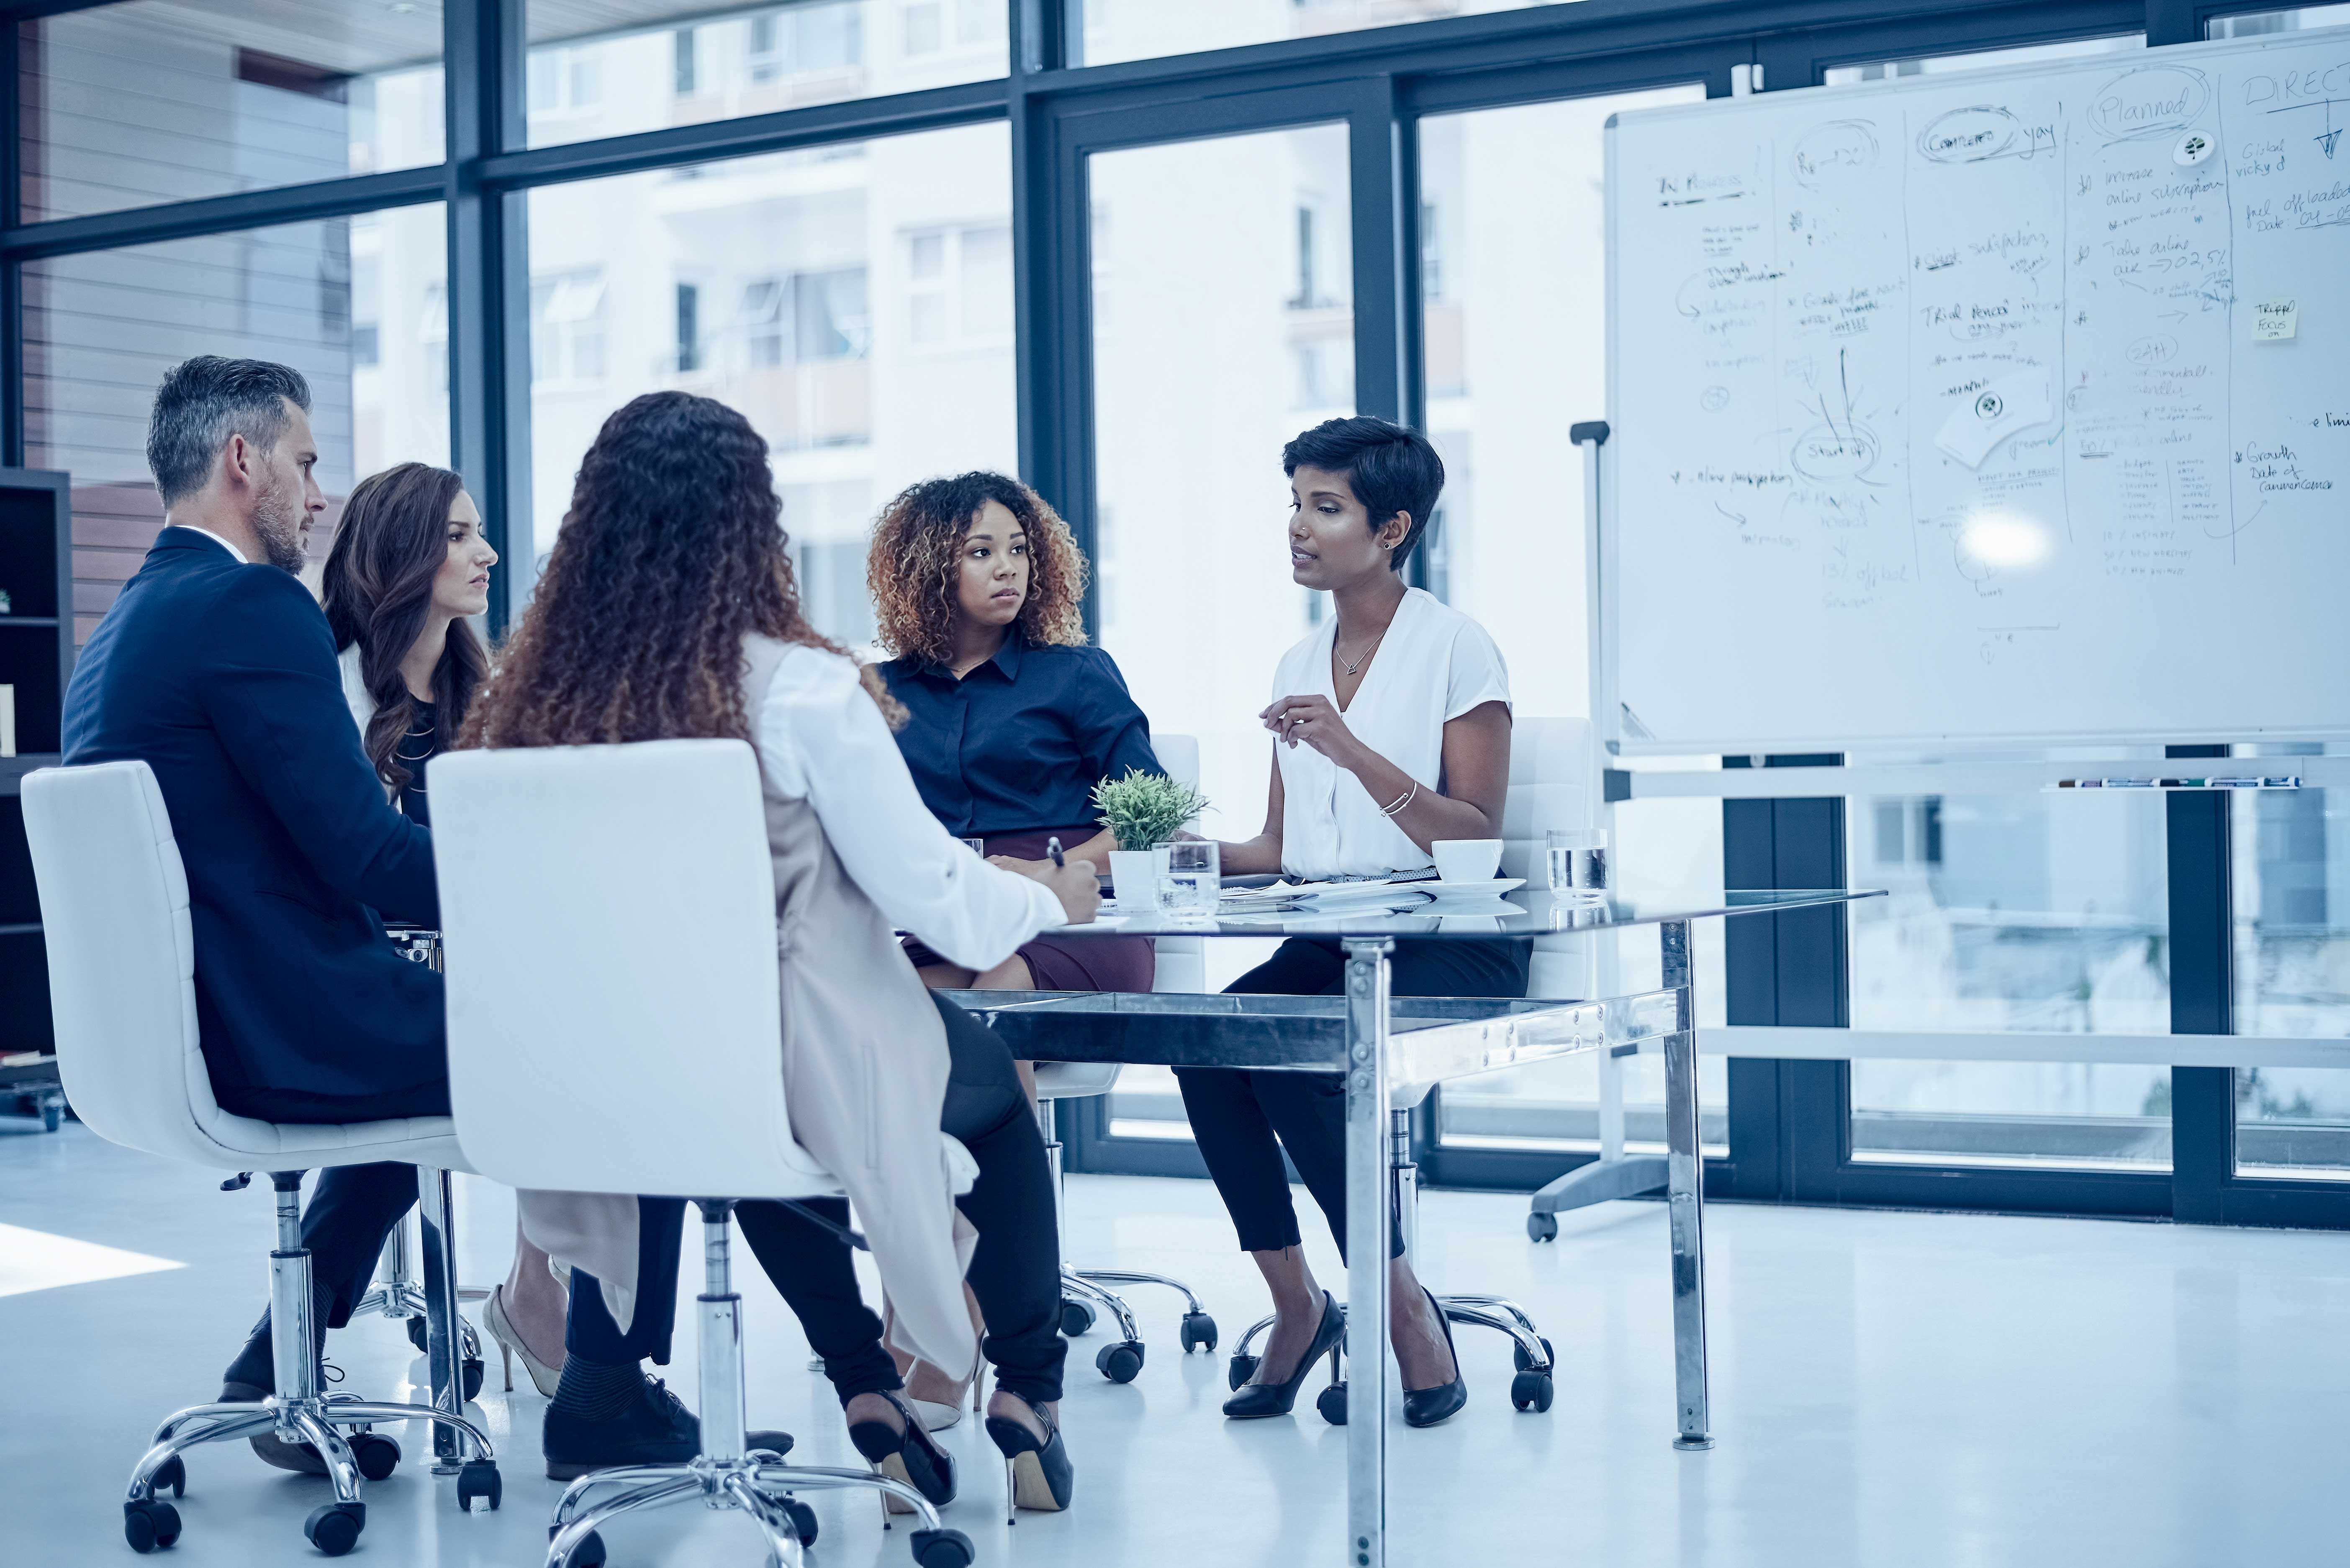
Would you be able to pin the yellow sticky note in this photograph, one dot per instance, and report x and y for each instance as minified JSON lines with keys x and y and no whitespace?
{"x":2274,"y":320}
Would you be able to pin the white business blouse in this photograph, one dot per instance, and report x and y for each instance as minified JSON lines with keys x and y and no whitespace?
{"x":821,"y":739}
{"x":1433,"y":665}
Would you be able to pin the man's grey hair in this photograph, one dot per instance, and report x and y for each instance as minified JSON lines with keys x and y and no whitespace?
{"x":203,"y":401}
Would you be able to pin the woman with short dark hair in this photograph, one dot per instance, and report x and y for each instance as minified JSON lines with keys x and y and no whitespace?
{"x":1391,"y":731}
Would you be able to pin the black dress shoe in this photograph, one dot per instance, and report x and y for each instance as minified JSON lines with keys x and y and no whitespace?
{"x":652,"y":1428}
{"x":1255,"y":1400}
{"x":302,"y":1459}
{"x":1427,"y":1407}
{"x":908,"y":1454}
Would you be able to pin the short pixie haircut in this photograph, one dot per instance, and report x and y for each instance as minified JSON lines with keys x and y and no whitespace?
{"x":1391,"y":468}
{"x":917,"y":558}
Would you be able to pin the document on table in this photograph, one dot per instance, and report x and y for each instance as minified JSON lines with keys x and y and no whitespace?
{"x":1285,"y":894}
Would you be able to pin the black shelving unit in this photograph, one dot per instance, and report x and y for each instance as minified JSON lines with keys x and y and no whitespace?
{"x":37,"y":651}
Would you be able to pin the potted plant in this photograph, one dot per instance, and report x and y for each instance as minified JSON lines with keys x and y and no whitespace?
{"x":1142,"y":810}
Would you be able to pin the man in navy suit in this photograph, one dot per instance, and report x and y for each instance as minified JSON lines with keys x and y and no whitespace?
{"x":216,"y":669}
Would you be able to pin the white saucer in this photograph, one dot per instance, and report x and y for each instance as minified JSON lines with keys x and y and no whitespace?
{"x":1492,"y":888}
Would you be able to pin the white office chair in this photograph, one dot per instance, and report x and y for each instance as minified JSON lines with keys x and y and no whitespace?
{"x":1181,"y":965}
{"x":1552,"y":781}
{"x":607,"y":908}
{"x":114,"y":911}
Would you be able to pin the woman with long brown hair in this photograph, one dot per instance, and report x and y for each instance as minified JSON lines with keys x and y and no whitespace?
{"x":409,"y":569}
{"x":668,"y":609}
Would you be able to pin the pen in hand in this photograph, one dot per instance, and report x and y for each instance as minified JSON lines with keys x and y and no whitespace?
{"x":1053,"y":848}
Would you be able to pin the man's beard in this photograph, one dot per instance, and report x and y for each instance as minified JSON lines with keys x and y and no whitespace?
{"x":277,"y":520}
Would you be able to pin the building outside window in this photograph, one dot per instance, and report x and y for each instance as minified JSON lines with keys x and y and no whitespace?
{"x":959,"y":285}
{"x":566,"y":319}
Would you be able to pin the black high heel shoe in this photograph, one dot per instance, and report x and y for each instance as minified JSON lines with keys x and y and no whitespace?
{"x":1427,"y":1407}
{"x":1037,"y":1475}
{"x":908,"y":1455}
{"x":1255,"y":1400}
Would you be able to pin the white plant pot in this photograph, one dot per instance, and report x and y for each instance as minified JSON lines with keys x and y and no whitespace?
{"x":1134,"y":878}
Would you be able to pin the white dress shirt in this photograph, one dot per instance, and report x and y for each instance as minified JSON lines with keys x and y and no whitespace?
{"x":1433,"y":665}
{"x":822,"y":739}
{"x":213,"y":537}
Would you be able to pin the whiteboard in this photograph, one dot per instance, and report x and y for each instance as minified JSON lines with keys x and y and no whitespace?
{"x":1996,"y":406}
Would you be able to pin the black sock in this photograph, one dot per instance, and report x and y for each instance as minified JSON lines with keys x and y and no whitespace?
{"x":595,"y":1390}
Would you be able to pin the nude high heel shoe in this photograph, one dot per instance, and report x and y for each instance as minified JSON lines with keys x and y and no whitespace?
{"x":936,"y":1417}
{"x":543,"y":1378}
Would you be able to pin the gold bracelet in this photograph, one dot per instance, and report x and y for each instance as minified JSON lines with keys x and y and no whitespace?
{"x":1401,"y":801}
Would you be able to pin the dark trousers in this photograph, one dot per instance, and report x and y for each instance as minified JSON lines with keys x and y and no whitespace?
{"x":352,"y":1208}
{"x":590,"y":1334}
{"x":1244,"y":1120}
{"x":1015,"y":1270}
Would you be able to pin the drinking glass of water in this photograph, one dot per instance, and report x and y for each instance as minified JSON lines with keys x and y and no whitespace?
{"x":1190,"y":879}
{"x":1578,"y":863}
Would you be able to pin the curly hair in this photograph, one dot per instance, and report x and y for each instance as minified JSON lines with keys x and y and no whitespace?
{"x":378,"y":589}
{"x":915,"y":565}
{"x":672,"y":552}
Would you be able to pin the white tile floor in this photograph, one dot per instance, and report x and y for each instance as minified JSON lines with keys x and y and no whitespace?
{"x":1888,"y":1389}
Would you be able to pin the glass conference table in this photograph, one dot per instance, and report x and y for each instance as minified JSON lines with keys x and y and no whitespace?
{"x":1391,"y":1050}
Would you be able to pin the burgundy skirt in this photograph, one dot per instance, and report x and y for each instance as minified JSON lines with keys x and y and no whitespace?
{"x":1065,"y":963}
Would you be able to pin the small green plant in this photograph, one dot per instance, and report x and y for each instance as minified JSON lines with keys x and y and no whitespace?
{"x":1144,"y":809}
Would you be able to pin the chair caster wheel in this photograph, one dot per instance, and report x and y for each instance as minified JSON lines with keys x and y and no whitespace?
{"x":335,"y":1529}
{"x":1242,"y":1367}
{"x":1532,"y":1391}
{"x":589,"y":1553}
{"x":172,"y":1474}
{"x":416,"y":1333}
{"x":376,"y":1455}
{"x":1076,"y":1317}
{"x":1542,"y":1227}
{"x":1198,"y":1333}
{"x":1332,"y":1403}
{"x":479,"y":1478}
{"x":1525,"y":1362}
{"x":1120,"y":1363}
{"x":804,"y":1524}
{"x":943,"y":1549}
{"x":470,"y":1377}
{"x":148,"y":1524}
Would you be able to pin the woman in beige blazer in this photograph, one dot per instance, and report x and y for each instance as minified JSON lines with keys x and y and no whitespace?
{"x":408,"y":567}
{"x":668,"y":609}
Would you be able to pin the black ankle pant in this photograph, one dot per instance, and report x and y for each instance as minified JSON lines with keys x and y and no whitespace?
{"x":1015,"y":1270}
{"x":1244,"y":1120}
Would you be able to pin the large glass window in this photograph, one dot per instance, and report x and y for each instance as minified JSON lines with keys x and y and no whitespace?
{"x":1513,"y":290}
{"x":1113,"y":30}
{"x":2253,"y":24}
{"x":354,"y":303}
{"x":2290,"y":862}
{"x":1983,"y":59}
{"x":166,"y":100}
{"x":2011,"y":914}
{"x":1222,"y":324}
{"x":854,"y":301}
{"x":614,"y":66}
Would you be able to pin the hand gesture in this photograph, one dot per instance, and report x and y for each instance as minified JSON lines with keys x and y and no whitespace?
{"x":1312,"y":720}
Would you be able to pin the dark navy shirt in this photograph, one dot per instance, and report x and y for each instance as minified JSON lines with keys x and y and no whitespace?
{"x":1018,"y":745}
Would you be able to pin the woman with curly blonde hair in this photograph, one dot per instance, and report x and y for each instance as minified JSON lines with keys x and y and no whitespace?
{"x":1013,"y":718}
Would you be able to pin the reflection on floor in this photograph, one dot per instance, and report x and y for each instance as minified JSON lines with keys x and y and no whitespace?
{"x":1907,"y":1388}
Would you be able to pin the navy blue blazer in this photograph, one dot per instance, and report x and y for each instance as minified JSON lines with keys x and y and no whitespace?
{"x":222,"y":677}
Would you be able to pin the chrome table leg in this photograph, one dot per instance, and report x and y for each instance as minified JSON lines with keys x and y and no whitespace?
{"x":1368,"y":1223}
{"x":1685,"y":1164}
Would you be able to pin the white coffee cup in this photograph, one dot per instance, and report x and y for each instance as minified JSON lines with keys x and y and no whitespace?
{"x":1467,"y":859}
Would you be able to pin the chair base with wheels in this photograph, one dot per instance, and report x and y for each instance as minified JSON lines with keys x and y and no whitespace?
{"x":1083,"y":1295}
{"x":727,"y":1474}
{"x":298,"y":1413}
{"x":1536,"y":1381}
